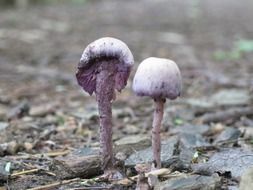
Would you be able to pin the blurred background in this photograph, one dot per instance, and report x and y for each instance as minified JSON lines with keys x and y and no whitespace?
{"x":41,"y":42}
{"x":210,"y":40}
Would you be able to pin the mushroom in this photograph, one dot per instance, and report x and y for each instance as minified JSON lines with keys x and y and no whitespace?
{"x":105,"y":65}
{"x":159,"y":79}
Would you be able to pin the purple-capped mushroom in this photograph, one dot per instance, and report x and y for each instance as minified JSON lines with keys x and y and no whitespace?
{"x":105,"y":65}
{"x":159,"y":79}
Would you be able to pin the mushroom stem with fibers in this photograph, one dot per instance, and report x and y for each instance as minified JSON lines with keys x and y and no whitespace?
{"x":104,"y":94}
{"x":156,"y":141}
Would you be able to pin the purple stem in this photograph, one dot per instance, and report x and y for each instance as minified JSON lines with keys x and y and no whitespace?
{"x":156,"y":140}
{"x":104,"y":94}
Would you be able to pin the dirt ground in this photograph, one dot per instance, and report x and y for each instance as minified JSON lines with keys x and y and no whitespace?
{"x":44,"y":114}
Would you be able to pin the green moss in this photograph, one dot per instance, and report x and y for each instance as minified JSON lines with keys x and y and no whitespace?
{"x":240,"y":48}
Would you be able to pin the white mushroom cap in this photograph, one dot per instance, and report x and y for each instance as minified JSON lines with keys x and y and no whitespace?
{"x":158,"y":78}
{"x":107,"y":47}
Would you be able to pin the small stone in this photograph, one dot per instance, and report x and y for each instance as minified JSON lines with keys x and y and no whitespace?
{"x":3,"y":148}
{"x":27,"y":119}
{"x":85,"y":162}
{"x":91,"y":113}
{"x":5,"y":99}
{"x":123,"y":113}
{"x":142,"y":183}
{"x":19,"y":111}
{"x":28,"y":146}
{"x":232,"y":187}
{"x":131,"y":129}
{"x":132,"y":143}
{"x":133,"y":139}
{"x":215,"y":129}
{"x":225,"y":97}
{"x":86,"y":151}
{"x":231,"y":97}
{"x":246,"y":182}
{"x":190,"y":140}
{"x":232,"y":161}
{"x":229,"y":134}
{"x":145,"y":156}
{"x":247,"y":131}
{"x":153,"y":180}
{"x":143,"y":168}
{"x":42,"y":110}
{"x":173,"y":155}
{"x":12,"y":147}
{"x":3,"y":173}
{"x":190,"y":182}
{"x":3,"y":125}
{"x":188,"y":128}
{"x":3,"y":112}
{"x":121,"y":156}
{"x":199,"y":103}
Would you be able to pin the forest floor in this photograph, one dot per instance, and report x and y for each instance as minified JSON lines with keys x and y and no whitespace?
{"x":49,"y":126}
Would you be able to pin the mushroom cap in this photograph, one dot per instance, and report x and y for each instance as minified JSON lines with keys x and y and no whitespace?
{"x":158,"y":78}
{"x":104,"y":49}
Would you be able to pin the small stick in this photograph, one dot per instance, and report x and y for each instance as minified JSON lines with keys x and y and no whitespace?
{"x":54,"y":154}
{"x":158,"y":172}
{"x":25,"y":172}
{"x":53,"y":185}
{"x":49,"y":154}
{"x":31,"y":171}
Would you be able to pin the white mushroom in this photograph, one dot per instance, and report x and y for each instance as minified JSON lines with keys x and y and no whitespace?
{"x":160,"y":79}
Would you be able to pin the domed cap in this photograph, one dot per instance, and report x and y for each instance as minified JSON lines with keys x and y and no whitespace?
{"x":158,"y":78}
{"x":104,"y":49}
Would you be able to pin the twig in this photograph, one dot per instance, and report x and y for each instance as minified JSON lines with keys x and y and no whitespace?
{"x":206,"y":148}
{"x":49,"y":154}
{"x":91,"y":188}
{"x":25,"y":172}
{"x":54,"y":154}
{"x":31,"y":171}
{"x":53,"y":185}
{"x":160,"y":172}
{"x":50,"y":173}
{"x":173,"y":175}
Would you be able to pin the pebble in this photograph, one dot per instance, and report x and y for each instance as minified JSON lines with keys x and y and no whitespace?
{"x":246,"y":182}
{"x":42,"y":110}
{"x":132,"y":143}
{"x":3,"y":125}
{"x":189,"y":182}
{"x":234,"y":162}
{"x":229,"y":134}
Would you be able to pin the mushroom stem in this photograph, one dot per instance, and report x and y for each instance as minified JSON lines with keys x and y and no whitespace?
{"x":156,"y":140}
{"x":104,"y":94}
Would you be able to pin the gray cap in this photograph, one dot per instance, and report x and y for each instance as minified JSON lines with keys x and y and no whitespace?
{"x":104,"y":49}
{"x":158,"y":78}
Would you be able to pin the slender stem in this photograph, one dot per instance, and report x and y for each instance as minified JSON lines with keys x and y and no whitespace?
{"x":104,"y":94}
{"x":156,"y":140}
